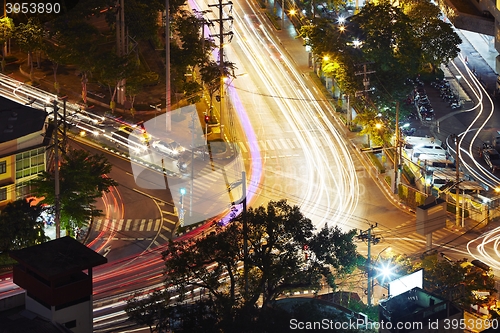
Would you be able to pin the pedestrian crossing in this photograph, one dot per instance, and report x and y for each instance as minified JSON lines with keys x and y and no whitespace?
{"x":414,"y":243}
{"x":127,"y":224}
{"x":270,"y":145}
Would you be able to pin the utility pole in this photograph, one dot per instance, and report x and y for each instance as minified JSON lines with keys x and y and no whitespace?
{"x":397,"y":158}
{"x":221,"y":36}
{"x":121,"y":47}
{"x":457,"y":187}
{"x":192,"y":165}
{"x":349,"y":113}
{"x":367,"y":236}
{"x":167,"y":67}
{"x":57,"y":203}
{"x":366,"y":80}
{"x":366,"y":84}
{"x":245,"y":230}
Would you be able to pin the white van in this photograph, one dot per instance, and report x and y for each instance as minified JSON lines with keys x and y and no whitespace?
{"x":411,"y":142}
{"x":431,"y":150}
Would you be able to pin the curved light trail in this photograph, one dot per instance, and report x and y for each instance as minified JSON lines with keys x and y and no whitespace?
{"x":325,"y":182}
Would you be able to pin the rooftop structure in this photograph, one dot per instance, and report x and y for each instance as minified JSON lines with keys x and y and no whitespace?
{"x":415,"y":310}
{"x":57,"y":277}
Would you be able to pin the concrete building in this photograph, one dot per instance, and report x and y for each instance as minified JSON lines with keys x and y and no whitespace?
{"x":479,"y":16}
{"x":23,"y":142}
{"x":418,"y":311}
{"x":57,"y":277}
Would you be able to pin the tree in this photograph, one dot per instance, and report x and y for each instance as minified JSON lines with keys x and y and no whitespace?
{"x":399,"y":41}
{"x":284,"y":255}
{"x":438,"y":41}
{"x":80,"y":40}
{"x":57,"y":56}
{"x":29,"y":38}
{"x":111,"y":69}
{"x":82,"y":179}
{"x":21,"y":226}
{"x":6,"y":31}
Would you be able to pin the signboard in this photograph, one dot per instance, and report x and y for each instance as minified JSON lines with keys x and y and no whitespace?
{"x":405,"y":283}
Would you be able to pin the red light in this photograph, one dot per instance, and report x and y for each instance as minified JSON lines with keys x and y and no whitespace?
{"x":207,"y":118}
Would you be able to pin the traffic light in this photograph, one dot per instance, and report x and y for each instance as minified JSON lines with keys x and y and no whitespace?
{"x":207,"y":119}
{"x":182,"y":190}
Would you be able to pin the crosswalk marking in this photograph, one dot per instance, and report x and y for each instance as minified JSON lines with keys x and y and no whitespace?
{"x":270,"y":144}
{"x":129,"y":224}
{"x":127,"y":227}
{"x":283,"y":143}
{"x":242,"y":146}
{"x":120,"y":224}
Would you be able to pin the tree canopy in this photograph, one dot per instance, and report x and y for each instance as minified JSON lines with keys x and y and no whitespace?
{"x":285,"y":253}
{"x":397,"y":41}
{"x":21,"y":226}
{"x":82,"y":179}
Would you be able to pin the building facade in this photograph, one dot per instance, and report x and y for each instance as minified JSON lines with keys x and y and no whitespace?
{"x":23,"y":142}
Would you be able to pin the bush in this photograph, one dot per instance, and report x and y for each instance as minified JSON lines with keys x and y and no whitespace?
{"x":376,"y":162}
{"x":408,"y":174}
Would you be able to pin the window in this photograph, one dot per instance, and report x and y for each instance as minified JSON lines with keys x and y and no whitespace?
{"x":30,"y":163}
{"x":3,"y":193}
{"x":23,"y":190}
{"x":3,"y":167}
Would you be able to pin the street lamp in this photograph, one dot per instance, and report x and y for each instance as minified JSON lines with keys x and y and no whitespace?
{"x":384,"y":271}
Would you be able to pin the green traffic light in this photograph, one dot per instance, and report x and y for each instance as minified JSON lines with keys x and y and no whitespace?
{"x":183,"y":191}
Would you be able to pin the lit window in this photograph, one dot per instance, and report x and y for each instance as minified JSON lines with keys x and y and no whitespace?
{"x":3,"y":167}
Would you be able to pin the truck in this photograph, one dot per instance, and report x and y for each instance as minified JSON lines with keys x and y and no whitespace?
{"x":492,"y":158}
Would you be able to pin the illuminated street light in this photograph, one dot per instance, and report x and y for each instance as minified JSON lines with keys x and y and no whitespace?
{"x":384,"y":271}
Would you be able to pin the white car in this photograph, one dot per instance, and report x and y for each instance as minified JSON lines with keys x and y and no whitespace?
{"x":171,"y":149}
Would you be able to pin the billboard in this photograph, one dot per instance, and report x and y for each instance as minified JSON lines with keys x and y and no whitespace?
{"x":405,"y":283}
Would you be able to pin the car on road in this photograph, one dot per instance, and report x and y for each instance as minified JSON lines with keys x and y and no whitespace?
{"x":169,"y":148}
{"x":492,"y":158}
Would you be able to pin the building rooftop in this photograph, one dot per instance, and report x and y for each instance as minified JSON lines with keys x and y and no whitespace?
{"x":417,"y":305}
{"x":17,"y":120}
{"x":58,"y":257}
